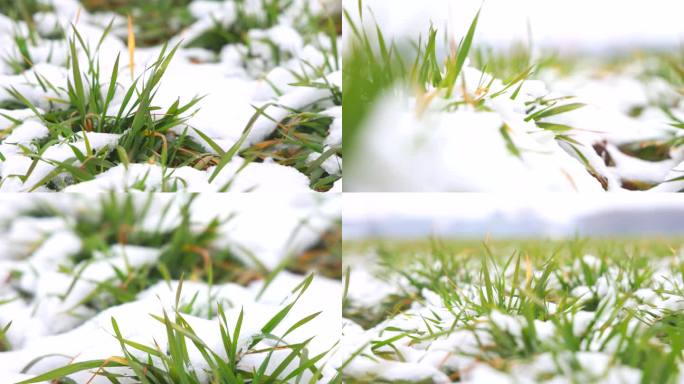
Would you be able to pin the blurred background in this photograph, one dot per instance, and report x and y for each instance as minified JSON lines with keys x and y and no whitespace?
{"x":562,"y":25}
{"x":416,"y":216}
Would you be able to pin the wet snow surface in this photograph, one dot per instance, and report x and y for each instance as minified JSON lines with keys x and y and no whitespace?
{"x":233,"y":82}
{"x":400,"y":330}
{"x":49,"y":288}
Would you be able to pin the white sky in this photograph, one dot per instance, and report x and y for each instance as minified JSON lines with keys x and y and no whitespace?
{"x":564,"y":24}
{"x":553,"y":206}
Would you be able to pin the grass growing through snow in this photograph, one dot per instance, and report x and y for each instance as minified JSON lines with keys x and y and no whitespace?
{"x":90,"y":103}
{"x":240,"y":30}
{"x":301,"y":135}
{"x":374,"y":64}
{"x":86,"y":105}
{"x":186,"y":249}
{"x":155,"y":21}
{"x":172,"y":364}
{"x":428,"y":70}
{"x":246,"y":19}
{"x":520,"y":301}
{"x":22,"y":9}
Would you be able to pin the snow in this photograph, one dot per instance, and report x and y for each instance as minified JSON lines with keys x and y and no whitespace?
{"x":26,"y":132}
{"x":368,"y":291}
{"x":270,"y":226}
{"x":236,"y":176}
{"x":122,"y":178}
{"x":581,"y":322}
{"x":335,"y":136}
{"x":262,"y":177}
{"x":16,"y":166}
{"x":465,"y":145}
{"x":506,"y":323}
{"x":482,"y":373}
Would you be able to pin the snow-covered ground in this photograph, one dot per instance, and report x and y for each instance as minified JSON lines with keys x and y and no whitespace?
{"x":73,"y":264}
{"x":452,"y":314}
{"x":477,"y":288}
{"x":285,"y":67}
{"x":582,"y":121}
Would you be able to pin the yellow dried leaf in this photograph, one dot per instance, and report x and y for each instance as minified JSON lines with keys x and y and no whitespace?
{"x":528,"y":270}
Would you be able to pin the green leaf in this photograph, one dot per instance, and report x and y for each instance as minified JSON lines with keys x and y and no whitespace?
{"x":554,"y":127}
{"x":70,"y":369}
{"x":552,"y":111}
{"x":78,"y":81}
{"x":228,"y":156}
{"x":455,"y":68}
{"x":217,"y":148}
{"x":509,"y":142}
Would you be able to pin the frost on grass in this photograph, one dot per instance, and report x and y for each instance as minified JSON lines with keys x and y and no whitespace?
{"x":522,"y":312}
{"x":169,"y":288}
{"x":239,"y":95}
{"x":439,"y":114}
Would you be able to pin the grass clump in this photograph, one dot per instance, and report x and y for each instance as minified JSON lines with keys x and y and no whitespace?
{"x":244,"y":30}
{"x":22,"y":43}
{"x":185,"y":249}
{"x":23,"y":9}
{"x":155,"y":21}
{"x":373,"y":65}
{"x":301,"y":135}
{"x":298,"y":137}
{"x":173,"y":364}
{"x":94,"y":101}
{"x":246,"y":19}
{"x":87,"y":105}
